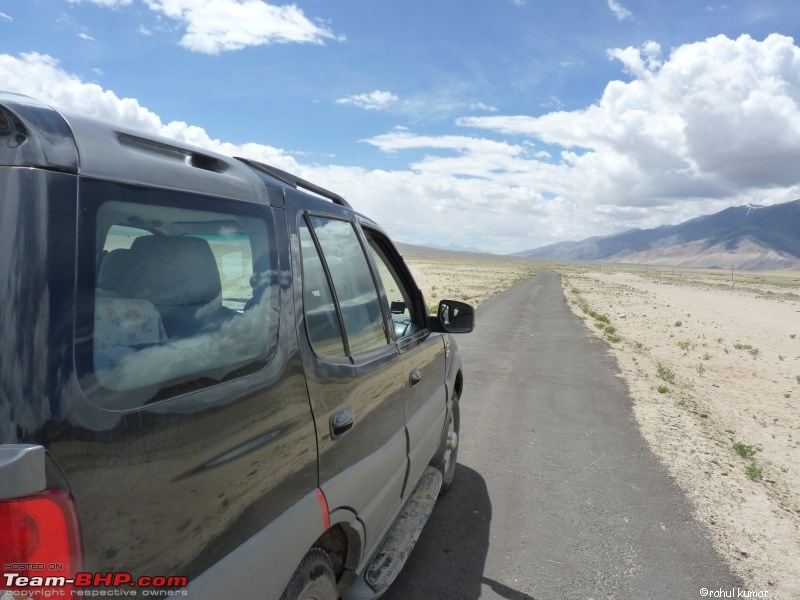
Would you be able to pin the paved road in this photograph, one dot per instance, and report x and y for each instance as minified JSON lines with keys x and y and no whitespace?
{"x":557,"y":495}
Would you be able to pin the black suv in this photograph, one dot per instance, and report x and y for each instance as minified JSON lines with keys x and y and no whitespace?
{"x":210,"y":380}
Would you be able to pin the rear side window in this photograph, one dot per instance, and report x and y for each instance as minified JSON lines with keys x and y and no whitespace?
{"x":355,"y":293}
{"x":177,"y":292}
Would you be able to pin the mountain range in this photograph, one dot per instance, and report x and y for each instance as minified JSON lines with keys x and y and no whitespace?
{"x":740,"y":237}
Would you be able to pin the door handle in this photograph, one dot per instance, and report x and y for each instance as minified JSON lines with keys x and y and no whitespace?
{"x":342,"y":422}
{"x":415,"y":376}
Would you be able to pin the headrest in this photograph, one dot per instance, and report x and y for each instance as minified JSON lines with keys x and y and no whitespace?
{"x":171,"y":270}
{"x":113,"y":268}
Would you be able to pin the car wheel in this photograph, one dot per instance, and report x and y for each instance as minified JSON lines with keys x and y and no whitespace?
{"x":313,"y":579}
{"x":448,"y":466}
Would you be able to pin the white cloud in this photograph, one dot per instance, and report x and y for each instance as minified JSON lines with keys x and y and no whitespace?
{"x":619,"y":11}
{"x":86,"y":36}
{"x":377,"y":100}
{"x":400,"y":139}
{"x":144,"y":30}
{"x":482,"y":106}
{"x":5,"y":17}
{"x":715,"y":123}
{"x":719,"y":119}
{"x":41,"y":77}
{"x":213,"y":26}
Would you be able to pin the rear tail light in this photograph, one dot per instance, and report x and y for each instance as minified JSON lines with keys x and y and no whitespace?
{"x":39,"y":537}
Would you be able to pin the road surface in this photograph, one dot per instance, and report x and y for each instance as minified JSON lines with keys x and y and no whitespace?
{"x":557,"y":495}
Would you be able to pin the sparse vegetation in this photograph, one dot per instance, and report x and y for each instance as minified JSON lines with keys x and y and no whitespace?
{"x":599,"y":317}
{"x":685,"y":345}
{"x":700,"y":369}
{"x":665,"y":373}
{"x":662,"y":389}
{"x":707,"y":356}
{"x":754,"y":472}
{"x":744,"y":450}
{"x":752,"y":350}
{"x":678,"y":323}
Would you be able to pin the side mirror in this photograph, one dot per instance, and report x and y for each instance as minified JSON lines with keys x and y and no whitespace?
{"x":455,"y":317}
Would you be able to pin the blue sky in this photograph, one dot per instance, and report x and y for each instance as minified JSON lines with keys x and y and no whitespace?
{"x":499,"y":124}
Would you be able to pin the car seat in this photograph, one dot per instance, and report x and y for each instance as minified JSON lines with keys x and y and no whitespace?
{"x":179,"y":276}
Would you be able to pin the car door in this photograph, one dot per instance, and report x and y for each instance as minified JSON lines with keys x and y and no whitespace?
{"x":354,"y":373}
{"x":422,"y":353}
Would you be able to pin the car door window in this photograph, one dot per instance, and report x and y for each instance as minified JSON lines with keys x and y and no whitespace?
{"x":405,"y":311}
{"x":322,"y":321}
{"x":353,"y":284}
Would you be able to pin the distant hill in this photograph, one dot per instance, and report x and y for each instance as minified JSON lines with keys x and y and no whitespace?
{"x":741,"y":237}
{"x":456,"y":248}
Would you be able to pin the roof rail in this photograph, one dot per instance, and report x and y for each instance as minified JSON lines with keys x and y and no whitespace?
{"x":294,"y":180}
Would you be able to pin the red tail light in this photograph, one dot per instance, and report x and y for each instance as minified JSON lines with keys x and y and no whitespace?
{"x":39,"y":537}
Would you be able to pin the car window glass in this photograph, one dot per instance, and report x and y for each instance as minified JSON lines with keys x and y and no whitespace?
{"x":401,"y":302}
{"x":120,"y":237}
{"x":352,"y":280}
{"x":186,"y":298}
{"x":322,"y":322}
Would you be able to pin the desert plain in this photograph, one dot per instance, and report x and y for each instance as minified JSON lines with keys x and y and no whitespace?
{"x":712,"y":362}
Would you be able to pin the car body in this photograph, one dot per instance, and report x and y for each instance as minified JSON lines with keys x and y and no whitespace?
{"x":206,"y":371}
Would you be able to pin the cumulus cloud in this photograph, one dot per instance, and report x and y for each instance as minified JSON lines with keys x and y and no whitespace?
{"x":710,"y":125}
{"x":213,"y":26}
{"x":40,"y":76}
{"x":715,"y":120}
{"x":619,"y":11}
{"x":377,"y":100}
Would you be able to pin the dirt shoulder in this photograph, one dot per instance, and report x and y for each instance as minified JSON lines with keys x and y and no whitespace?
{"x":714,"y":372}
{"x":465,"y":276}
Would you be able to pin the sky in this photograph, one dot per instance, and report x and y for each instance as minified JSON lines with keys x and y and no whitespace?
{"x":501,"y":125}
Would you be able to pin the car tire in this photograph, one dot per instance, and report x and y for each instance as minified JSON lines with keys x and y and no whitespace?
{"x":448,"y":464}
{"x":313,"y":579}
